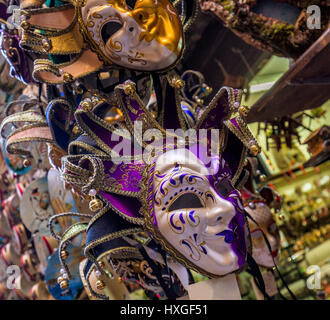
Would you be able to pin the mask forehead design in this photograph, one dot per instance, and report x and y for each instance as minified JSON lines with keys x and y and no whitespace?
{"x":148,"y":38}
{"x":193,"y":217}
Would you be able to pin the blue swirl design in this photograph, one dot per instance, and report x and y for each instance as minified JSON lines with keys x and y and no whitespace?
{"x":191,"y":216}
{"x":182,"y":176}
{"x":209,"y":195}
{"x":204,"y":250}
{"x":181,"y":218}
{"x":172,"y":181}
{"x":161,"y":187}
{"x":193,"y":176}
{"x":187,"y":244}
{"x":172,"y":223}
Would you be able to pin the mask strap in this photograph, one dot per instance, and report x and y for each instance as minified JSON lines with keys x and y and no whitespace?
{"x":270,"y":250}
{"x":191,"y":278}
{"x":169,"y":293}
{"x":279,"y":292}
{"x":255,"y":272}
{"x":163,"y":253}
{"x":158,"y":91}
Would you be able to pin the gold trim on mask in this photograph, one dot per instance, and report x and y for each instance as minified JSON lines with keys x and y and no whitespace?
{"x":63,"y":42}
{"x":47,"y":71}
{"x":25,"y":4}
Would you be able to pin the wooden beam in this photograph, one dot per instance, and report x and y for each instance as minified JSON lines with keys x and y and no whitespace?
{"x":306,"y":85}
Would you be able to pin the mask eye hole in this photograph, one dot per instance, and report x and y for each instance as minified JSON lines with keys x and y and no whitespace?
{"x":109,"y":29}
{"x":130,"y":4}
{"x":224,"y":188}
{"x":186,"y":201}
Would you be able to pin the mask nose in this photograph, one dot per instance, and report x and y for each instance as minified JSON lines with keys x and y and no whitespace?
{"x":222,"y":213}
{"x":109,"y":29}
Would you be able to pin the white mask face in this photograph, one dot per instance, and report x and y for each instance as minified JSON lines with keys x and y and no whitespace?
{"x":147,"y":37}
{"x":191,"y":215}
{"x":263,"y":216}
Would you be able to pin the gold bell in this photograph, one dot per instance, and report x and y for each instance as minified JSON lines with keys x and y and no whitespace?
{"x":208,"y":89}
{"x":87,"y":105}
{"x":76,"y":130}
{"x":100,"y":285}
{"x":281,"y":217}
{"x":67,"y":77}
{"x":129,"y":89}
{"x":120,"y":280}
{"x":255,"y":150}
{"x":243,"y":111}
{"x":64,"y":254}
{"x":136,"y":268}
{"x":46,"y":45}
{"x":178,"y":83}
{"x":95,"y":205}
{"x":101,"y":264}
{"x":262,"y":178}
{"x":60,"y":279}
{"x":64,"y":284}
{"x":26,"y":163}
{"x":199,"y":101}
{"x":25,"y":25}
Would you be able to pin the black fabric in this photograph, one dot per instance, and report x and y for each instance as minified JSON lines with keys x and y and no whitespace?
{"x":158,"y":91}
{"x":122,"y":78}
{"x":168,"y":291}
{"x":107,"y":224}
{"x":170,"y":112}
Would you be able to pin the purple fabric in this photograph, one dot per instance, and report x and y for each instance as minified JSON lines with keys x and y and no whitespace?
{"x":133,"y":105}
{"x":128,"y":206}
{"x":3,"y":11}
{"x":216,"y":116}
{"x":102,"y":133}
{"x":128,"y":175}
{"x":15,"y":56}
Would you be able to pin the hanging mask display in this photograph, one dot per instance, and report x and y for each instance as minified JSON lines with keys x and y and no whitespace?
{"x":10,"y":49}
{"x":145,"y":35}
{"x":44,"y":247}
{"x":258,"y":204}
{"x":36,"y":208}
{"x":190,"y":207}
{"x":68,"y":288}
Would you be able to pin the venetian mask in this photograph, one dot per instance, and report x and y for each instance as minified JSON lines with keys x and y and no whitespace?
{"x":201,"y":219}
{"x":184,"y":196}
{"x":146,"y":35}
{"x":266,"y":223}
{"x":15,"y":56}
{"x":258,"y":204}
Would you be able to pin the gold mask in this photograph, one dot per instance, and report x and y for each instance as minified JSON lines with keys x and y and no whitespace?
{"x":148,"y":37}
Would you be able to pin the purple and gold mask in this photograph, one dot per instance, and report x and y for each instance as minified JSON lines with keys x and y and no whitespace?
{"x":145,"y":37}
{"x":182,"y":194}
